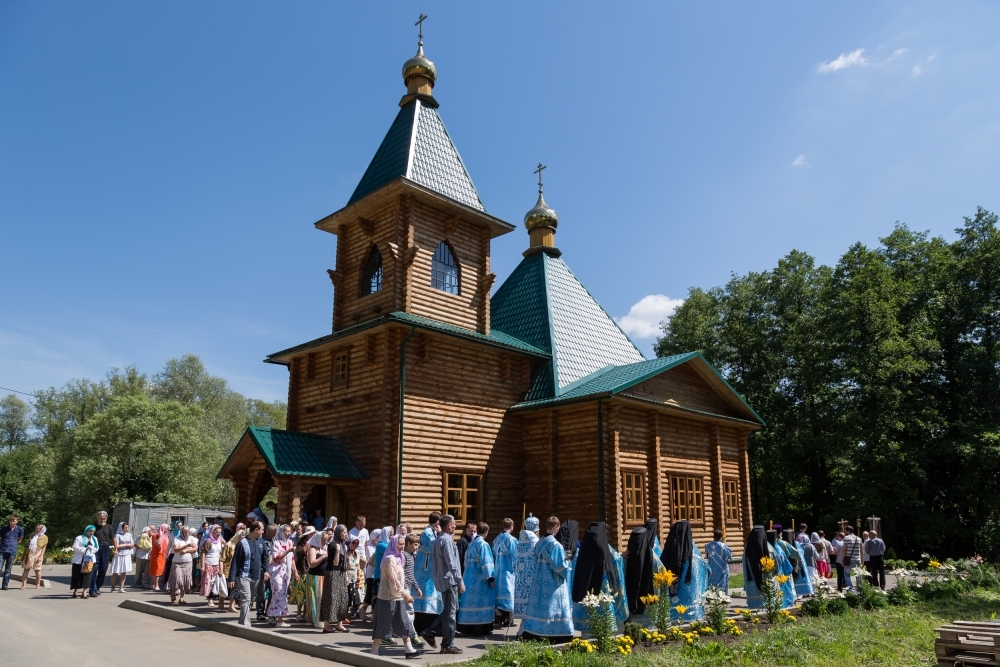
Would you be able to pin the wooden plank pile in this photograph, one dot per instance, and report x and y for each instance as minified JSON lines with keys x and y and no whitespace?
{"x":968,"y":643}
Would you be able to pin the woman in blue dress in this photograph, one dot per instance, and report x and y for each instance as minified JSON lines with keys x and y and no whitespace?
{"x":549,"y":614}
{"x":681,"y":556}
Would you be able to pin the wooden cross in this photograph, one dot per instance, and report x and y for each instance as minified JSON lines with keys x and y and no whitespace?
{"x":420,"y":23}
{"x":538,"y":171}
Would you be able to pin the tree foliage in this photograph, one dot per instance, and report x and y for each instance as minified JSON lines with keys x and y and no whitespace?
{"x":89,"y":445}
{"x":877,"y":378}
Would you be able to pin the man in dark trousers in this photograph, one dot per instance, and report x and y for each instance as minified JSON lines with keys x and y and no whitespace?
{"x":105,"y":535}
{"x":875,"y":549}
{"x":245,"y":570}
{"x":10,"y":536}
{"x":468,"y":535}
{"x":448,"y":580}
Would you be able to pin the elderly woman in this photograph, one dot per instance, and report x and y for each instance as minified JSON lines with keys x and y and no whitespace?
{"x":158,"y":556}
{"x":185,"y":546}
{"x":335,"y":598}
{"x":282,"y":571}
{"x":211,"y":554}
{"x":390,"y":612}
{"x":34,"y":556}
{"x":226,"y":559}
{"x":121,"y":564}
{"x":84,"y":556}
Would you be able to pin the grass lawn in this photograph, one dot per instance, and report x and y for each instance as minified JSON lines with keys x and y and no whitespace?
{"x":736,"y":581}
{"x":890,"y":637}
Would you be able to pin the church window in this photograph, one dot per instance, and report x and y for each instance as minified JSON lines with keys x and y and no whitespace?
{"x":371,"y":277}
{"x":634,"y":484}
{"x":731,"y":493}
{"x":686,"y":497}
{"x":340,"y":361}
{"x":463,"y":495}
{"x":444,"y":270}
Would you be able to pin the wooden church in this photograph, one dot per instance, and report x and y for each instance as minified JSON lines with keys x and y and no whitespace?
{"x":429,"y":394}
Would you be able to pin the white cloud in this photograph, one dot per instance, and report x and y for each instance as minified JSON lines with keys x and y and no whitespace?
{"x":643,"y":320}
{"x":916,"y":71}
{"x":842,"y":61}
{"x":800,"y":161}
{"x":897,"y":52}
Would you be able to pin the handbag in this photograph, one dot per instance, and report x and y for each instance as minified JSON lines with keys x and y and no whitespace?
{"x":87,"y":566}
{"x":219,"y":586}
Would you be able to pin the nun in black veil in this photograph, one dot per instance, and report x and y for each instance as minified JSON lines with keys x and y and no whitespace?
{"x":598,"y":568}
{"x":639,"y":566}
{"x":682,"y":557}
{"x":758,"y":546}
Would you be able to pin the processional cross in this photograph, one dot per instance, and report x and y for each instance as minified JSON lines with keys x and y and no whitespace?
{"x":538,"y":171}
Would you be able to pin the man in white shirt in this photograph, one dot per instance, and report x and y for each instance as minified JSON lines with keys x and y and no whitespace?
{"x":359,"y":532}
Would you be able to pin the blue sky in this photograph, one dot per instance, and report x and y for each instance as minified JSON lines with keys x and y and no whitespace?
{"x":161,"y":164}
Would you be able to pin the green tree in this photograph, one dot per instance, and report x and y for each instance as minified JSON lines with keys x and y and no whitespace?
{"x":15,"y":420}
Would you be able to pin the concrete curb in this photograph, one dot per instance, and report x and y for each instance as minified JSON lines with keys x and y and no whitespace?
{"x":31,"y":578}
{"x":326,"y":652}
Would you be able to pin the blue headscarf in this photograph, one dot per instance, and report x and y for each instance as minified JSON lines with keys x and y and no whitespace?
{"x":91,"y":541}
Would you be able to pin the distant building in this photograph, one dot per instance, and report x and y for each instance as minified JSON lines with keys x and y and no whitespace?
{"x":430,"y":395}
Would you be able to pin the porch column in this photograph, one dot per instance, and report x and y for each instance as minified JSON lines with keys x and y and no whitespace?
{"x":658,"y":505}
{"x":744,"y":461}
{"x":240,"y":485}
{"x":715,"y":465}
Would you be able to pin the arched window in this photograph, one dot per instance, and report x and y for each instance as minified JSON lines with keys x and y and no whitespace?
{"x":444,"y":270}
{"x":371,"y":277}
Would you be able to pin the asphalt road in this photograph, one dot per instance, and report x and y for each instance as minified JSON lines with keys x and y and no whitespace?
{"x":45,"y":626}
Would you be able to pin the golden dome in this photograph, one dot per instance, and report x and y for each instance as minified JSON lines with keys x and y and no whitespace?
{"x":541,"y":216}
{"x":419,"y":65}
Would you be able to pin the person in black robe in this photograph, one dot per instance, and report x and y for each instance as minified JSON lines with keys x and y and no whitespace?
{"x":677,"y":552}
{"x":464,"y":541}
{"x":772,"y":537}
{"x":569,"y":538}
{"x":594,"y":562}
{"x":639,"y":566}
{"x":756,"y":549}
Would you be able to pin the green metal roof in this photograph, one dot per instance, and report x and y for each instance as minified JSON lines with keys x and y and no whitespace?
{"x":495,"y":339}
{"x":544,"y":304}
{"x":419,"y":148}
{"x":611,"y":380}
{"x":304,"y":454}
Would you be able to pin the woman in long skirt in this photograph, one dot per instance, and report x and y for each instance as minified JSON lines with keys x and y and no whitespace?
{"x":212,"y":586}
{"x":390,"y":612}
{"x":158,"y":555}
{"x":181,"y":572}
{"x":34,"y":556}
{"x":282,"y":571}
{"x":226,"y":559}
{"x":297,"y":591}
{"x":335,"y":603}
{"x":316,"y":560}
{"x":121,"y":565}
{"x":84,"y":555}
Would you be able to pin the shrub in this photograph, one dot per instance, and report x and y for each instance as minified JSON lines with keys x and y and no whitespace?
{"x":633,"y":631}
{"x":852,"y":599}
{"x":837,"y":606}
{"x":902,"y":595}
{"x":814,"y":607}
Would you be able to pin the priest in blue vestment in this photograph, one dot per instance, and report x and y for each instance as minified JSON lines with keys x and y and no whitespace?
{"x":783,"y":566}
{"x":423,"y":569}
{"x":549,"y":614}
{"x":477,"y":604}
{"x":718,"y":554}
{"x":524,"y":565}
{"x":503,"y":556}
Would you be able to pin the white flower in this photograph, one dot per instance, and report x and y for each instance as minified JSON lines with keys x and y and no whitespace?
{"x":860,"y":571}
{"x":900,"y":572}
{"x":605,"y":598}
{"x":716,"y":596}
{"x":590,"y":600}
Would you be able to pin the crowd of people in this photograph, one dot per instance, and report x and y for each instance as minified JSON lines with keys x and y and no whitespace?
{"x":416,"y":587}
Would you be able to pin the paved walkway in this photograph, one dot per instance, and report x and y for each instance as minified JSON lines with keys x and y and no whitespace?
{"x":47,"y":625}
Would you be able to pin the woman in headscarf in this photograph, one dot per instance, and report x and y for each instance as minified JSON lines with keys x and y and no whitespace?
{"x":182,"y":569}
{"x":757,"y":547}
{"x":282,"y":571}
{"x":84,"y":555}
{"x":822,"y":560}
{"x":384,"y":539}
{"x":226,"y":559}
{"x":316,"y":554}
{"x":158,"y":555}
{"x":211,"y":576}
{"x":369,"y":551}
{"x":121,"y":565}
{"x":390,"y":612}
{"x":334,"y":609}
{"x":34,"y":556}
{"x":681,"y":556}
{"x":297,"y":591}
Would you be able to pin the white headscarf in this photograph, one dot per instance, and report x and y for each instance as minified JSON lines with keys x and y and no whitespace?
{"x":33,"y":544}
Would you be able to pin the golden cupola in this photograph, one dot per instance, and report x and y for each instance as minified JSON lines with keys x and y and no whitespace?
{"x":541,"y":221}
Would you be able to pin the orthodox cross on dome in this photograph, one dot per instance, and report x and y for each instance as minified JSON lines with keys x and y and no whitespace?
{"x":538,"y":171}
{"x":420,"y":25}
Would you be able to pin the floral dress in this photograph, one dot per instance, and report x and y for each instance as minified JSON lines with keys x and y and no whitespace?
{"x":280,"y":570}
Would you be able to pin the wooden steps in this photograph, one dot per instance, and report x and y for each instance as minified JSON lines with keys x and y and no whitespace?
{"x":967,"y":643}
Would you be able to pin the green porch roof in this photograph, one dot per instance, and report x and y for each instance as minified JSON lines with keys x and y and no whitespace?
{"x":613,"y":380}
{"x":419,"y":148}
{"x":544,"y":304}
{"x":303,"y":454}
{"x":495,"y":339}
